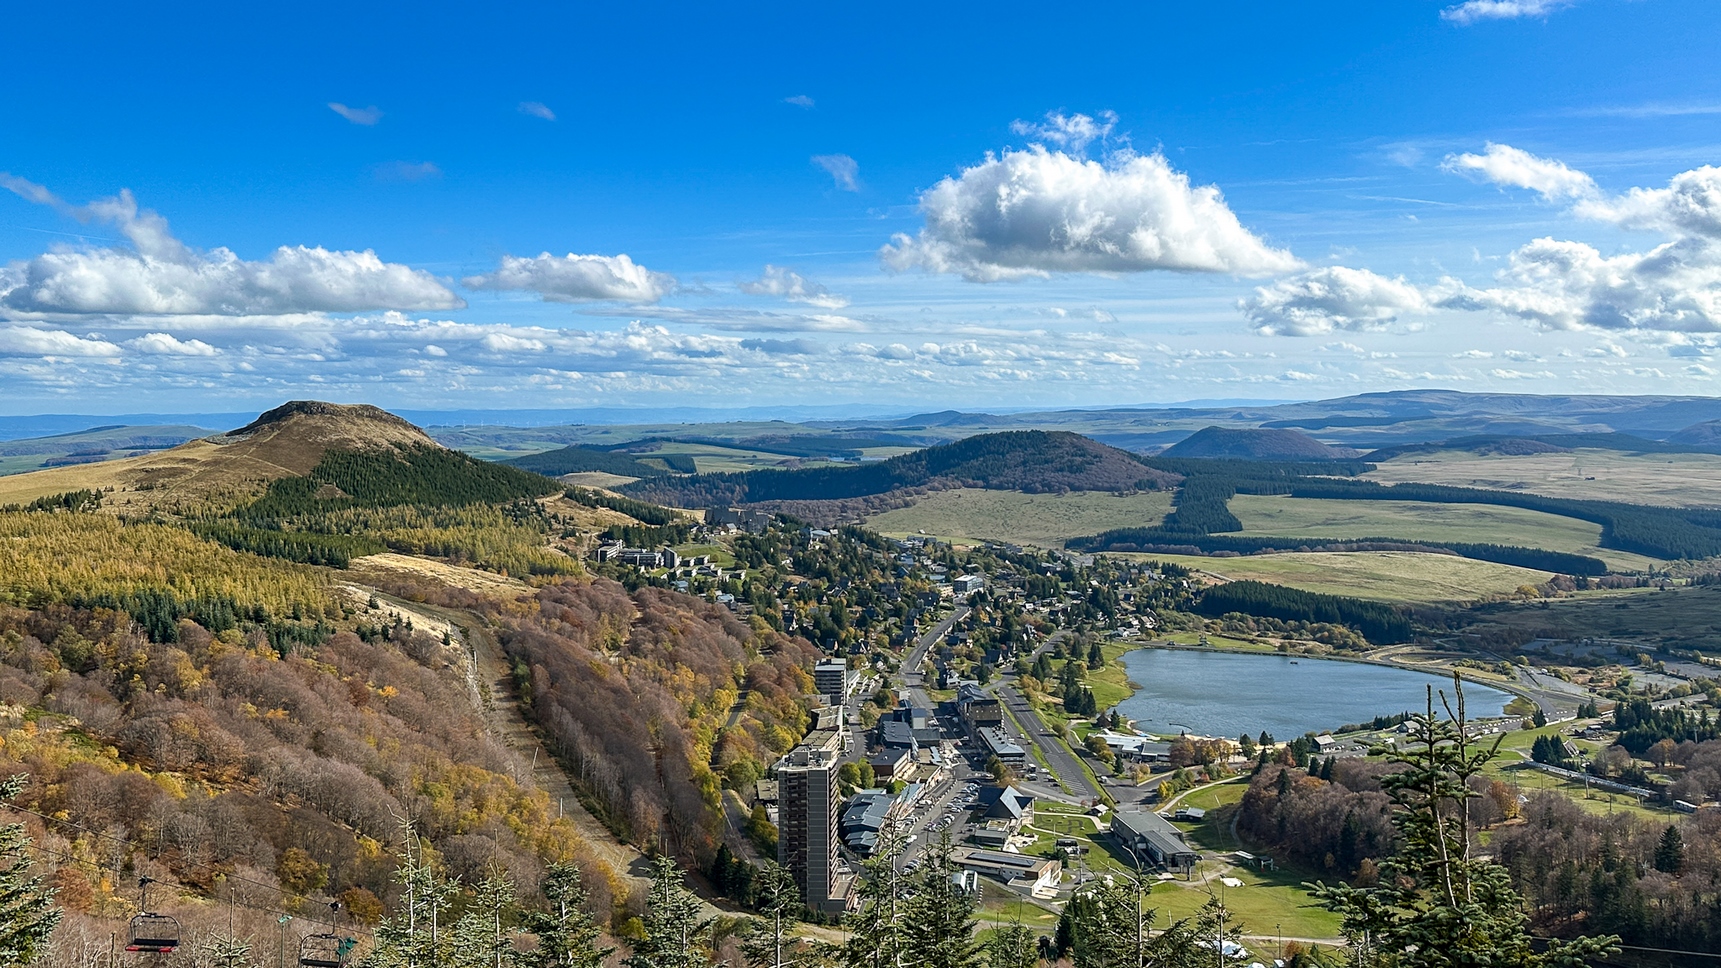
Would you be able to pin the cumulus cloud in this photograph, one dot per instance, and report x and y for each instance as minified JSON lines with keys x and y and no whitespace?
{"x":537,"y":109}
{"x":1690,"y":206}
{"x":1570,"y":285}
{"x":1036,"y":212}
{"x":365,"y":116}
{"x":28,"y":341}
{"x":800,"y":101}
{"x":165,"y":344}
{"x":796,"y":288}
{"x":844,"y":171}
{"x":1472,"y":11}
{"x":1506,"y":165}
{"x":506,"y":343}
{"x":1331,"y":298}
{"x":160,"y":275}
{"x":577,"y":278}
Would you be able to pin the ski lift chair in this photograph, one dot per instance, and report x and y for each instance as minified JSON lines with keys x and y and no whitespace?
{"x":325,"y":951}
{"x":153,"y":934}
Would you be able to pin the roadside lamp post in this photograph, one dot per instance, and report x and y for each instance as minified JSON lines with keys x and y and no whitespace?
{"x":281,"y":951}
{"x":1140,"y":953}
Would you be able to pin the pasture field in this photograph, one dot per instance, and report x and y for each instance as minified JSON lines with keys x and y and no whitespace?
{"x":967,"y":515}
{"x":1386,"y":576}
{"x":1675,"y":480}
{"x":1685,"y":617}
{"x":1269,"y":515}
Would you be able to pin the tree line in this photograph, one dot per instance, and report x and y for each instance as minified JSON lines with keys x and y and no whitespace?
{"x":1381,"y":624}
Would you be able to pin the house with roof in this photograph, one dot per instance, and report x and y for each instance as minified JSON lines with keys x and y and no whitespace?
{"x":1024,"y":872}
{"x":1153,"y":839}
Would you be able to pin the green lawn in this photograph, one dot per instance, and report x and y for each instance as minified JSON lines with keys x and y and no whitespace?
{"x":1046,"y":520}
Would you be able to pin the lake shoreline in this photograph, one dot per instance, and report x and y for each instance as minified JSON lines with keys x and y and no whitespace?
{"x":1209,"y":703}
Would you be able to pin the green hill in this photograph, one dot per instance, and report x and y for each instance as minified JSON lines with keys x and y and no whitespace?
{"x":1026,"y":460}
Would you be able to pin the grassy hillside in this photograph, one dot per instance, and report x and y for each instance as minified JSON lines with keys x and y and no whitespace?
{"x":1671,"y":480}
{"x":1386,"y":576}
{"x":1044,"y":520}
{"x":1418,"y":521}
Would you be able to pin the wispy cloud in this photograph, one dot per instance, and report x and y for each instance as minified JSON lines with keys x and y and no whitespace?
{"x":800,"y":101}
{"x":365,"y":116}
{"x":1473,"y":11}
{"x":791,"y":285}
{"x":537,"y":109}
{"x":407,"y":171}
{"x":844,"y":171}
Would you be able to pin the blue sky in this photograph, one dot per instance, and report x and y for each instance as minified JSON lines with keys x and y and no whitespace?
{"x":428,"y":205}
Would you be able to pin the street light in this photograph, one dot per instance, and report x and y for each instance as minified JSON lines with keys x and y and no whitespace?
{"x":1140,"y":954}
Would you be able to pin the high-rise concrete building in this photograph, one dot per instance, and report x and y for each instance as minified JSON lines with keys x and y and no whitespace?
{"x":831,"y":678}
{"x":807,"y":825}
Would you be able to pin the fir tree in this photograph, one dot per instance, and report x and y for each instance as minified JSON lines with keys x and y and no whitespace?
{"x":1013,"y":947}
{"x":940,"y":916}
{"x":567,"y":935}
{"x":27,"y":912}
{"x":876,"y":934}
{"x":1670,"y":851}
{"x":674,"y":931}
{"x":224,"y":951}
{"x":775,"y":897}
{"x":484,"y":937}
{"x":417,"y":936}
{"x":1436,"y":906}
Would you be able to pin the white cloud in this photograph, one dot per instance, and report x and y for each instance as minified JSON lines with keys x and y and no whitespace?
{"x":165,"y":344}
{"x":506,"y":343}
{"x":1072,"y":133}
{"x":27,"y":341}
{"x":1506,"y":165}
{"x":1331,"y":298}
{"x":1570,"y":285}
{"x":365,"y":116}
{"x":537,"y":109}
{"x":1690,"y":205}
{"x":796,"y":288}
{"x":1036,"y":212}
{"x":843,"y":170}
{"x":1472,"y":11}
{"x":800,"y":101}
{"x":577,"y":278}
{"x":431,"y":349}
{"x":160,"y":275}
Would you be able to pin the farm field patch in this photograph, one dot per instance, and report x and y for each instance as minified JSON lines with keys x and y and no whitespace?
{"x":1044,"y":520}
{"x":1387,"y":576}
{"x":1674,"y":480}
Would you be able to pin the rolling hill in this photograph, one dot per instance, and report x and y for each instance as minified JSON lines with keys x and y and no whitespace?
{"x":1033,"y":461}
{"x":1255,"y":444}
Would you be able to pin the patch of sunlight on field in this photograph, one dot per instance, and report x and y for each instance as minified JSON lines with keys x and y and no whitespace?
{"x":1425,"y":521}
{"x":1675,"y":480}
{"x":1044,"y":520}
{"x":1388,"y":576}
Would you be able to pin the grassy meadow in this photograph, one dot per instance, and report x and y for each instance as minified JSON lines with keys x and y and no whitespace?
{"x":1606,"y":475}
{"x":967,"y":515}
{"x":1386,"y":576}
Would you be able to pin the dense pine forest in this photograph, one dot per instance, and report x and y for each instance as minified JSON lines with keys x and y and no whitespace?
{"x":578,"y":460}
{"x":1381,"y":624}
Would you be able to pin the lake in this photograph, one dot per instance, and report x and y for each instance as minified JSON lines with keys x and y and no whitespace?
{"x":1229,"y":694}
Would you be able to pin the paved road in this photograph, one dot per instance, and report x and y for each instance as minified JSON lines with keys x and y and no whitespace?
{"x":911,"y":674}
{"x":1064,"y":764}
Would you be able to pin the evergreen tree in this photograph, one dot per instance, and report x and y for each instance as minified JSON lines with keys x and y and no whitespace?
{"x":484,"y":936}
{"x":1096,"y":656}
{"x":876,"y":932}
{"x":27,"y":912}
{"x":940,"y":916}
{"x":777,"y":898}
{"x":224,"y":951}
{"x":1436,"y":906}
{"x":418,"y":934}
{"x":1670,"y":851}
{"x":567,"y":935}
{"x":675,"y":934}
{"x":1013,"y":947}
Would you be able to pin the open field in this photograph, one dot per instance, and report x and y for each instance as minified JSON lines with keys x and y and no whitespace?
{"x":1687,"y":617}
{"x":1045,"y":520}
{"x":1387,"y":576}
{"x":1607,"y":475}
{"x":1425,"y":521}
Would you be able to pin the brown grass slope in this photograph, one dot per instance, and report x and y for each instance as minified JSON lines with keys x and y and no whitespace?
{"x":286,"y":441}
